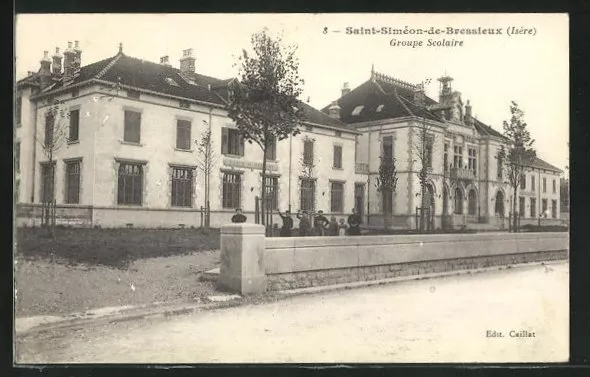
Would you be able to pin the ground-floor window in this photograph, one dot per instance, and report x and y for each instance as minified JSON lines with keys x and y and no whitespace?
{"x":554,"y":209}
{"x":521,"y":204}
{"x":47,"y":182}
{"x":544,"y":208}
{"x":232,"y":190}
{"x":472,"y":202}
{"x":307,"y":194}
{"x":182,"y":187}
{"x":130,"y":183}
{"x":533,"y":208}
{"x":458,"y":201}
{"x":272,"y":192}
{"x":73,"y":182}
{"x":336,"y":197}
{"x":387,"y":198}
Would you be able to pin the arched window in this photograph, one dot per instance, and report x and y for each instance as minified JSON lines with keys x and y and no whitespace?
{"x":458,"y":201}
{"x":472,"y":202}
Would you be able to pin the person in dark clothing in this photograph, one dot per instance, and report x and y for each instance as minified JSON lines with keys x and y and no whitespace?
{"x":304,"y":224}
{"x":320,"y":222}
{"x":333,"y":226}
{"x":354,"y":223}
{"x":238,"y":217}
{"x":287,"y":224}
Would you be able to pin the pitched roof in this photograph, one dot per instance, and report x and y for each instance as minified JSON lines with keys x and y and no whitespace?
{"x":484,"y":129}
{"x":142,"y":74}
{"x":541,"y":164}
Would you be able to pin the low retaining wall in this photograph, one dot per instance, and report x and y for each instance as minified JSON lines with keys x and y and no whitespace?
{"x":310,"y":261}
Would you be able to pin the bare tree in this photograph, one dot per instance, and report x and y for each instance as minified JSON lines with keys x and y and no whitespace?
{"x":206,"y":161}
{"x":386,"y":184}
{"x":54,"y":137}
{"x":308,"y":164}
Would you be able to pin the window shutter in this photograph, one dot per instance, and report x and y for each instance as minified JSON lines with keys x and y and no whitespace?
{"x":224,"y":140}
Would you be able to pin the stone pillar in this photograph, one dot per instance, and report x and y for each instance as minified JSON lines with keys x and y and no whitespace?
{"x":242,"y":258}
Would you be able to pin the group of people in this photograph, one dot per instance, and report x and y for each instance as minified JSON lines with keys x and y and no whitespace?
{"x":321,"y":225}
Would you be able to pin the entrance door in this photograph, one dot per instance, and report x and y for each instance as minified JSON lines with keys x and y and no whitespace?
{"x":499,"y":204}
{"x":359,"y":198}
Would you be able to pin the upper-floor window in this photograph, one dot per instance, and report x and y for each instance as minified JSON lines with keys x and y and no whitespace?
{"x":500,"y":165}
{"x":472,"y":161}
{"x":271,"y":149}
{"x":18,"y":111}
{"x":74,"y":125}
{"x":183,"y":134}
{"x":132,"y":132}
{"x":458,"y":156}
{"x":428,"y":145}
{"x":337,"y":157}
{"x":544,"y":184}
{"x":232,"y":142}
{"x":380,"y":108}
{"x":533,"y":183}
{"x":17,"y":156}
{"x":308,"y":152}
{"x":523,"y":181}
{"x":49,"y":125}
{"x":133,"y":94}
{"x":554,"y":187}
{"x":387,"y":148}
{"x":357,"y":110}
{"x":446,"y":157}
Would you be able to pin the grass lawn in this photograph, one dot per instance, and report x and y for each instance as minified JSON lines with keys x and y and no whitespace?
{"x":110,"y":247}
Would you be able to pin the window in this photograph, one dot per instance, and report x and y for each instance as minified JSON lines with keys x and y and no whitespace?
{"x":133,"y":94}
{"x":130,"y":183}
{"x":544,"y":184}
{"x":523,"y":181}
{"x":472,"y":203}
{"x":49,"y":123}
{"x":387,"y":198}
{"x":458,"y":201}
{"x":232,"y":142}
{"x":182,"y":187}
{"x":428,"y":143}
{"x":458,"y":157}
{"x":308,"y":152}
{"x":17,"y":190}
{"x":500,"y":164}
{"x":272,"y":192}
{"x":17,"y":157}
{"x":554,"y":208}
{"x":543,"y":208}
{"x":336,"y":196}
{"x":73,"y":182}
{"x":380,"y":108}
{"x":446,"y":157}
{"x":521,"y":206}
{"x":183,"y":134}
{"x":554,"y":187}
{"x":132,"y":132}
{"x":357,"y":110}
{"x":337,"y":157}
{"x":232,"y":190}
{"x":533,"y":207}
{"x":74,"y":125}
{"x":472,"y":160}
{"x":271,"y":150}
{"x":18,"y":111}
{"x":388,"y":148}
{"x":184,"y":104}
{"x":533,"y":183}
{"x":47,"y":182}
{"x":307,"y":194}
{"x":170,"y":81}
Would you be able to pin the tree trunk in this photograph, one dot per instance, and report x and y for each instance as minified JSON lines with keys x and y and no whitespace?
{"x":386,"y":214}
{"x":514,"y":220}
{"x":263,"y":193}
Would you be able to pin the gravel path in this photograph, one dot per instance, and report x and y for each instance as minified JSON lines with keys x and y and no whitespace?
{"x":46,"y":288}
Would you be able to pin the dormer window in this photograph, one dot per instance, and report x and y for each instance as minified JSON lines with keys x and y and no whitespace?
{"x":357,"y":110}
{"x":380,"y":108}
{"x":171,"y":81}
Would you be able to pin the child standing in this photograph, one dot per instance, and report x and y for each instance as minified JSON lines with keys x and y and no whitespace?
{"x":333,"y":226}
{"x":342,"y":227}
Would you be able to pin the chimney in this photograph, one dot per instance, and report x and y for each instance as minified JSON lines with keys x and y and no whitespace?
{"x":69,"y":57}
{"x":419,"y":96}
{"x":57,"y":62}
{"x":345,"y":89}
{"x":77,"y":57}
{"x":164,"y":60}
{"x":45,"y":70}
{"x":187,"y":62}
{"x":468,"y":116}
{"x":334,"y":110}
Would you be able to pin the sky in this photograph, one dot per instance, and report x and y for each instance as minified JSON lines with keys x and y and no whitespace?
{"x":489,"y":70}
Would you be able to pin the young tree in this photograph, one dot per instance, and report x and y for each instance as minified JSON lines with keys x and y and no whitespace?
{"x":518,"y":154}
{"x":54,"y":136}
{"x":308,"y":164}
{"x":206,"y":160}
{"x":264,"y":104}
{"x":386,"y":184}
